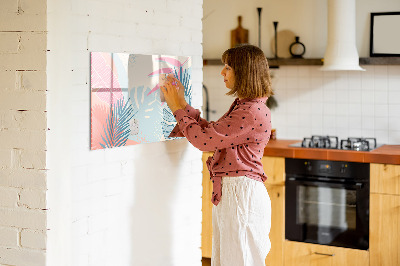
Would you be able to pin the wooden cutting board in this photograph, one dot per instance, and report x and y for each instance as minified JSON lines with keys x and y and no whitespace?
{"x":239,"y":35}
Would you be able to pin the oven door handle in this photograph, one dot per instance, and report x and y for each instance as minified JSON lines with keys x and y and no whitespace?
{"x":357,"y":185}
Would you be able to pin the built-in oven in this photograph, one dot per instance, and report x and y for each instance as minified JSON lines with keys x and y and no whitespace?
{"x":327,"y":202}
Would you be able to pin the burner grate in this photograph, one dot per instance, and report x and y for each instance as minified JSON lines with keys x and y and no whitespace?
{"x":327,"y":142}
{"x":358,"y":144}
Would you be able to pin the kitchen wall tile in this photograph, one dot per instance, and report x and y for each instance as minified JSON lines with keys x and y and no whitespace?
{"x":328,"y":98}
{"x":367,"y":82}
{"x":381,"y":110}
{"x":354,"y":122}
{"x":355,"y":96}
{"x":331,"y":131}
{"x":342,"y":122}
{"x":394,"y":97}
{"x":278,"y":71}
{"x":315,"y":72}
{"x":303,"y":82}
{"x":317,"y":120}
{"x":305,"y":95}
{"x":381,"y":136}
{"x":329,"y":122}
{"x":329,"y":109}
{"x":394,"y":123}
{"x":293,"y":120}
{"x":328,"y":74}
{"x":367,"y":96}
{"x":317,"y":131}
{"x":304,"y":109}
{"x":355,"y":132}
{"x":316,"y":82}
{"x":342,"y":80}
{"x":394,"y":82}
{"x":354,"y":80}
{"x":380,"y":71}
{"x":393,"y":71}
{"x":304,"y":131}
{"x":342,"y":96}
{"x":355,"y":109}
{"x":367,"y":133}
{"x":394,"y":110}
{"x":368,"y":122}
{"x":317,"y":95}
{"x":317,"y":108}
{"x":329,"y":93}
{"x":381,"y":97}
{"x":394,"y":137}
{"x":278,"y":83}
{"x":367,"y":110}
{"x":304,"y":72}
{"x":342,"y":133}
{"x":291,"y":132}
{"x":369,"y":70}
{"x":381,"y":84}
{"x":342,"y":109}
{"x":292,"y":82}
{"x":381,"y":123}
{"x":291,"y":71}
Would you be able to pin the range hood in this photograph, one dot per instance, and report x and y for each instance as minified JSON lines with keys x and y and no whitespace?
{"x":341,"y":51}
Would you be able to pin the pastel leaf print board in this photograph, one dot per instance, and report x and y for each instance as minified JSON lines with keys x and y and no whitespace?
{"x":127,"y":106}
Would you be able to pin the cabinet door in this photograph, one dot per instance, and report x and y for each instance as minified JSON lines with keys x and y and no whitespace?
{"x":274,"y":168}
{"x":304,"y":254}
{"x":385,"y":178}
{"x":206,"y":226}
{"x":277,"y":233}
{"x":384,"y":230}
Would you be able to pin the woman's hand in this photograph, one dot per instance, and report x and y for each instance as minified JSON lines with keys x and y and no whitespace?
{"x":174,"y":93}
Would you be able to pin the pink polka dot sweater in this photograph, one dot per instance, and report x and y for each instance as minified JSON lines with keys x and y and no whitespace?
{"x":238,"y":139}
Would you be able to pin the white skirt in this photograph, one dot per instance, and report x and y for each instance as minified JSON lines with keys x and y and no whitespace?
{"x":241,"y":223}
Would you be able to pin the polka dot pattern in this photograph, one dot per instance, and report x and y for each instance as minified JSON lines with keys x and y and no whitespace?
{"x":238,"y":139}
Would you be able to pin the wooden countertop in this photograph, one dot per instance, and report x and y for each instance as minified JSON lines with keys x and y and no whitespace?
{"x":389,"y":154}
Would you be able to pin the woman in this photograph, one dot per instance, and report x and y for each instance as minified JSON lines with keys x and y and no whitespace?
{"x":242,"y":208}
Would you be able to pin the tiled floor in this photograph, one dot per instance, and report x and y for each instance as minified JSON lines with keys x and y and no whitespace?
{"x":206,"y":261}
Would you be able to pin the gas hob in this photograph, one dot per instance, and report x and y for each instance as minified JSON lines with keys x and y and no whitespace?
{"x":332,"y":142}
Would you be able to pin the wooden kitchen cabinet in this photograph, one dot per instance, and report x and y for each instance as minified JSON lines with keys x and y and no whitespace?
{"x":305,"y":254}
{"x":206,"y":225}
{"x":384,"y":236}
{"x":385,"y":178}
{"x":385,"y":215}
{"x":274,"y":168}
{"x":277,"y":233}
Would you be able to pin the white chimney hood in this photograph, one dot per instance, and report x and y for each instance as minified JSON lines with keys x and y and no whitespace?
{"x":341,"y":51}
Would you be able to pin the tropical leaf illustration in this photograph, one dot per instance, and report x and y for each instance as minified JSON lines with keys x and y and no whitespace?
{"x":168,"y":122}
{"x":183,"y":75}
{"x":116,"y":130}
{"x":148,"y":114}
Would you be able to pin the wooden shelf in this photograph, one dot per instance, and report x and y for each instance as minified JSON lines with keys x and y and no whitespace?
{"x":380,"y":61}
{"x":274,"y":63}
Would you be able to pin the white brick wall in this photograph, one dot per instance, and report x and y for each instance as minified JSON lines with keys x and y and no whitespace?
{"x":135,"y":205}
{"x":23,"y":132}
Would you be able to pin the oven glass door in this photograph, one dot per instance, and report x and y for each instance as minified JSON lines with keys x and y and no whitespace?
{"x":326,"y":213}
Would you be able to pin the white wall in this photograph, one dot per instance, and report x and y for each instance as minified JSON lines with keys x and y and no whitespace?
{"x":306,"y":19}
{"x":311,"y":102}
{"x":23,"y":133}
{"x":135,"y":205}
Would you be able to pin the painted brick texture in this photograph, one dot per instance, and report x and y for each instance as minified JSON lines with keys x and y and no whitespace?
{"x":135,"y":205}
{"x":23,"y":132}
